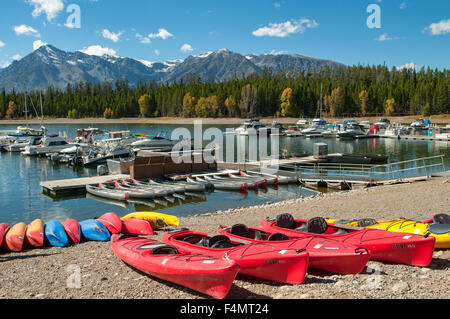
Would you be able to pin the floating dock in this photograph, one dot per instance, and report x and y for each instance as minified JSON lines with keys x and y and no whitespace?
{"x":416,"y":138}
{"x":75,"y":185}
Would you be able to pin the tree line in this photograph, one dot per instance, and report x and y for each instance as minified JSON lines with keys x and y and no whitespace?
{"x":346,"y":91}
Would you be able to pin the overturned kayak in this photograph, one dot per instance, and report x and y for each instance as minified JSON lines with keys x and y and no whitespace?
{"x":271,"y":261}
{"x":55,"y":234}
{"x":136,"y":226}
{"x":205,"y":274}
{"x":4,"y":227}
{"x":93,"y":229}
{"x":73,"y":230}
{"x":112,"y":222}
{"x":107,"y":193}
{"x":156,"y":220}
{"x":15,"y":237}
{"x":441,"y":232}
{"x":387,"y":246}
{"x":35,"y":234}
{"x":324,"y":254}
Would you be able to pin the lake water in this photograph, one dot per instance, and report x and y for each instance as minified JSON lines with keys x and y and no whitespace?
{"x":22,"y":200}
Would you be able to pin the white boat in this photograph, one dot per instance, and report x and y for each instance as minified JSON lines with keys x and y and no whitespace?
{"x":352,"y":130}
{"x":444,"y":136}
{"x":365,"y":124}
{"x":302,"y":123}
{"x":383,"y":123}
{"x":159,"y":140}
{"x":318,"y":127}
{"x":20,"y":144}
{"x":252,"y":127}
{"x":49,"y":144}
{"x":419,"y":124}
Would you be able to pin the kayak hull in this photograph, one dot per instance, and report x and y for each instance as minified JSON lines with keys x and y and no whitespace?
{"x":73,"y":230}
{"x":55,"y":234}
{"x":324,"y":254}
{"x":112,"y":222}
{"x":4,"y":227}
{"x":207,"y":275}
{"x":136,"y":227}
{"x":15,"y":237}
{"x":385,"y":246}
{"x":35,"y":234}
{"x":153,"y":218}
{"x":94,"y":230}
{"x":270,"y":261}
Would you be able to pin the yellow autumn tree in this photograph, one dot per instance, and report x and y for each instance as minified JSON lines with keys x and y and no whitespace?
{"x":287,"y":108}
{"x":189,"y":102}
{"x":145,"y":105}
{"x":389,"y":108}
{"x":11,"y":111}
{"x":364,"y":100}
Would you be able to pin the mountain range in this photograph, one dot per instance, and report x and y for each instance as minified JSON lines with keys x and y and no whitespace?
{"x":49,"y":66}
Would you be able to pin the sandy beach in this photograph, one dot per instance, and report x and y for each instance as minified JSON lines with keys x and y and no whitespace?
{"x":437,"y":119}
{"x":48,"y":272}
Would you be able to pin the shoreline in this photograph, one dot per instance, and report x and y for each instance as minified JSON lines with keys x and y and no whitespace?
{"x":436,"y":119}
{"x":44,"y":273}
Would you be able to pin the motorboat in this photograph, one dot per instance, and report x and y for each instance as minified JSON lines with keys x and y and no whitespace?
{"x":20,"y":144}
{"x":252,"y":127}
{"x":160,"y":140}
{"x":302,"y":123}
{"x":48,"y":144}
{"x":383,"y":123}
{"x":352,"y":130}
{"x":277,"y":127}
{"x":318,"y":127}
{"x":365,"y":125}
{"x":420,"y":124}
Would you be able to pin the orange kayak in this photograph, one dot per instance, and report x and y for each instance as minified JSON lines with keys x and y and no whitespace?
{"x":4,"y":227}
{"x":35,"y":234}
{"x":15,"y":237}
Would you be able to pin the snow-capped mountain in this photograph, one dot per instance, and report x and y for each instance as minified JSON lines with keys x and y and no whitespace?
{"x":49,"y":66}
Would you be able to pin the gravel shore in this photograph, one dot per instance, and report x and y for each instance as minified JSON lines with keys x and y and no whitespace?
{"x":52,"y":272}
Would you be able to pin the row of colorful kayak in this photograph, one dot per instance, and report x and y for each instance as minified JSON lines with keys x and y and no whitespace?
{"x":62,"y":234}
{"x":281,"y":250}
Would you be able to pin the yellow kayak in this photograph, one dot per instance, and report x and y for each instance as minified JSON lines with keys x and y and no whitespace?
{"x":157,"y":220}
{"x":439,"y":231}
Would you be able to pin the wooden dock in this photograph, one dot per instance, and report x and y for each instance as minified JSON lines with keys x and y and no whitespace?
{"x":416,"y":138}
{"x":76,"y":184}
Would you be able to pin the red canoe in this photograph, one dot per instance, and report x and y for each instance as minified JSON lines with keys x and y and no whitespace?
{"x":73,"y":230}
{"x":271,"y":261}
{"x":383,"y":245}
{"x":112,"y":222}
{"x":136,"y":227}
{"x":324,"y":254}
{"x":202,"y":273}
{"x":34,"y":236}
{"x":4,"y":227}
{"x":15,"y":237}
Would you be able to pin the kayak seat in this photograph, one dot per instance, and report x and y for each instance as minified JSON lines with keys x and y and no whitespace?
{"x":219,"y":241}
{"x":278,"y":237}
{"x":340,"y":231}
{"x":196,"y":240}
{"x":439,"y":229}
{"x":441,"y":219}
{"x":285,"y":221}
{"x":160,"y":249}
{"x":240,"y":230}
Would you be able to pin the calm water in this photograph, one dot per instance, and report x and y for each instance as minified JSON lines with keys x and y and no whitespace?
{"x":22,"y":200}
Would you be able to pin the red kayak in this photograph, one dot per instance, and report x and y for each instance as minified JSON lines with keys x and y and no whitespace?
{"x":202,"y":273}
{"x":73,"y":230}
{"x":15,"y":237}
{"x":271,"y":261}
{"x":136,"y":227}
{"x":112,"y":222}
{"x":324,"y":254}
{"x":4,"y":227}
{"x":34,"y":236}
{"x":383,"y":245}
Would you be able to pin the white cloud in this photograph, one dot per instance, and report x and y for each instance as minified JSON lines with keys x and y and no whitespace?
{"x":37,"y":44}
{"x":114,"y":37}
{"x":403,"y":5}
{"x":26,"y":30}
{"x":98,"y":51}
{"x":274,"y":52}
{"x":162,"y":33}
{"x":51,"y":8}
{"x":277,"y":5}
{"x":157,"y":52}
{"x":284,"y":29}
{"x":143,"y":39}
{"x":439,"y":28}
{"x":410,"y":66}
{"x":186,"y":48}
{"x":16,"y":57}
{"x":384,"y":37}
{"x":2,"y":44}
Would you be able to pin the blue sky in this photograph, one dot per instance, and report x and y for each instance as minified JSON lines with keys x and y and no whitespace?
{"x":412,"y":32}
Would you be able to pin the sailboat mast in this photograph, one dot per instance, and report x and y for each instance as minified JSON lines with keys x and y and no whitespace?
{"x":42,"y":112}
{"x":321,"y":86}
{"x":26,"y":111}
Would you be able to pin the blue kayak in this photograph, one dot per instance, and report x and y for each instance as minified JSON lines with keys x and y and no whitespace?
{"x":92,"y":229}
{"x":55,"y":234}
